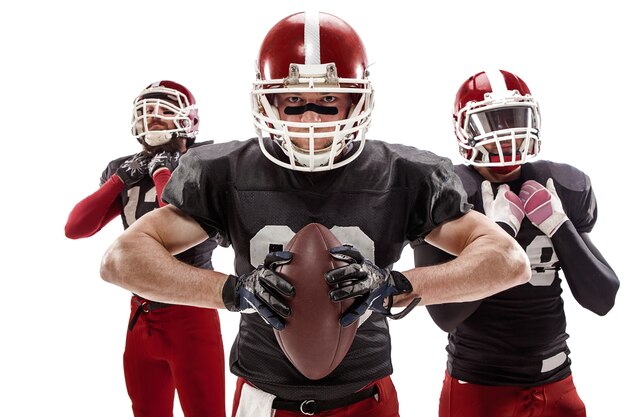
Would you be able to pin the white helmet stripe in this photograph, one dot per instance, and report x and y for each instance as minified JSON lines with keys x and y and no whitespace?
{"x":312,"y":38}
{"x":496,"y":79}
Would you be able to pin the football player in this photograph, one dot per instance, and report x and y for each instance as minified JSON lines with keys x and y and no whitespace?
{"x":507,"y":353}
{"x":312,"y":103}
{"x":168,"y":347}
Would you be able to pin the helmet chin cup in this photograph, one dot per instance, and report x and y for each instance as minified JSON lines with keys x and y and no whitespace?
{"x":503,"y":170}
{"x":157,"y":138}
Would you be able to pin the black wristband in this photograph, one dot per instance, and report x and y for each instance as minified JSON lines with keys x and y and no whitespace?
{"x":228,"y":293}
{"x":401,"y":282}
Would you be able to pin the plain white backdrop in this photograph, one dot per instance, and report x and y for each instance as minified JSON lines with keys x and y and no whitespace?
{"x":71,"y":69}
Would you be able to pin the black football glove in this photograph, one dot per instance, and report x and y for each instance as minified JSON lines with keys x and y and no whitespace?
{"x":261,"y":290}
{"x":372,"y":286}
{"x":163,"y":159}
{"x":133,"y":169}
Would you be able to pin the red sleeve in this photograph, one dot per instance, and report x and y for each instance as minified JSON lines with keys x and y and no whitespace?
{"x":160,"y":178}
{"x":94,"y":212}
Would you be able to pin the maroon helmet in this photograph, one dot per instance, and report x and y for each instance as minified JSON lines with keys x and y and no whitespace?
{"x":166,"y":100}
{"x":496,"y":121}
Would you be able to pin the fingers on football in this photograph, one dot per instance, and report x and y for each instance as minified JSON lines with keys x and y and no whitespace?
{"x":275,"y":259}
{"x":346,"y":273}
{"x":347,"y":253}
{"x":267,"y":314}
{"x":275,"y":282}
{"x":350,"y":290}
{"x":354,"y":312}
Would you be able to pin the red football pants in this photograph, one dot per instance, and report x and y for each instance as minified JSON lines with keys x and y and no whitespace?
{"x":385,"y":406}
{"x":175,"y":348}
{"x":558,"y":399}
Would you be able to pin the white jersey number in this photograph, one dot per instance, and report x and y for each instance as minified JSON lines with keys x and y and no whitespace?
{"x":275,"y":238}
{"x":542,"y":261}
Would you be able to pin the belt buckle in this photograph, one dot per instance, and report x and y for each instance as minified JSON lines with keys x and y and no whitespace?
{"x":307,"y":405}
{"x":145,"y":306}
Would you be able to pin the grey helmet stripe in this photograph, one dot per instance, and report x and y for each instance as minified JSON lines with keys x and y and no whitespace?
{"x":312,"y":38}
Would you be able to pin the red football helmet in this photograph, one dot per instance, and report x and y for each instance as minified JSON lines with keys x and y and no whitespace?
{"x":165,"y":100}
{"x":304,"y":53}
{"x":496,"y":121}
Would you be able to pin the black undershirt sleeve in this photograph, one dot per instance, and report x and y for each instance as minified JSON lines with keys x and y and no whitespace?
{"x":592,"y":281}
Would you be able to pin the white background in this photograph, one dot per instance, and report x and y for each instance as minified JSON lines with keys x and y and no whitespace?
{"x":70,"y":71}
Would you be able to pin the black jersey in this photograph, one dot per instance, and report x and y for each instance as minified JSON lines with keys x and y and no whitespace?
{"x":517,"y":337}
{"x":389,"y":195}
{"x":140,"y":199}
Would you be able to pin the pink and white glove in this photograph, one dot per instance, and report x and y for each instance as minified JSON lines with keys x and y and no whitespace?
{"x":542,"y":206}
{"x":506,"y":208}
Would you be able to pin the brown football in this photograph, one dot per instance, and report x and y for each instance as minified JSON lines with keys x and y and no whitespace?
{"x":313,"y":340}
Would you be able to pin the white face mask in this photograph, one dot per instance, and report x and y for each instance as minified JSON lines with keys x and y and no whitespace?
{"x":168,"y":109}
{"x":344,"y":132}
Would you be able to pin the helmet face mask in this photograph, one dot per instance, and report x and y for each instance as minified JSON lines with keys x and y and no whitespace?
{"x":303,"y":67}
{"x":169,"y":106}
{"x":496,"y":121}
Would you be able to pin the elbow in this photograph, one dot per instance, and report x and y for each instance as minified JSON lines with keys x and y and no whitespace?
{"x":71,"y":232}
{"x":518,"y":264}
{"x":601,"y":308}
{"x":109,"y":270}
{"x":603,"y":303}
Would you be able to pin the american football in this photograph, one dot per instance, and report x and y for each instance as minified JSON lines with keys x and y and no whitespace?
{"x":313,"y":340}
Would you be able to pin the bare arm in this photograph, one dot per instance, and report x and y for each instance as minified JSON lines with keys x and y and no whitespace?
{"x":449,"y":315}
{"x":488,"y":261}
{"x":140,"y":260}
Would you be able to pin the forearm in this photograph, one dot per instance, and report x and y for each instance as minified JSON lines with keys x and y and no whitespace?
{"x":488,"y":261}
{"x":141,"y":260}
{"x":592,"y":281}
{"x":146,"y":268}
{"x":93,"y":212}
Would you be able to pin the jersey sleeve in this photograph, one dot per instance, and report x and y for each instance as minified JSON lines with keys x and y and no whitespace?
{"x":193,"y":189}
{"x":440,"y":198}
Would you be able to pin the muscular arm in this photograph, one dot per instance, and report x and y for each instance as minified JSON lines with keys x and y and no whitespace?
{"x":446,"y":316}
{"x":592,"y":281}
{"x":93,"y":212}
{"x":141,"y":260}
{"x":488,"y":261}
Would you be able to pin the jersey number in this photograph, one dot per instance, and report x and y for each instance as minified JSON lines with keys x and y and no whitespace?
{"x":542,"y":261}
{"x":130,"y":209}
{"x":275,"y":238}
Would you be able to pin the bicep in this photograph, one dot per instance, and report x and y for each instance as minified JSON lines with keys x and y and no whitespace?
{"x":456,"y":235}
{"x":170,"y":227}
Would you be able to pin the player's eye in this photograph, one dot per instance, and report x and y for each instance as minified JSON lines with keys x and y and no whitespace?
{"x":329,"y":99}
